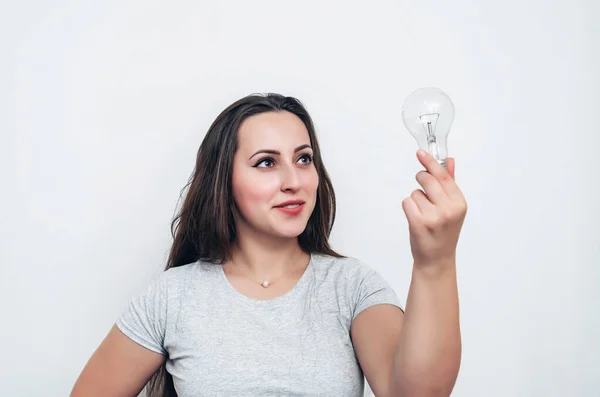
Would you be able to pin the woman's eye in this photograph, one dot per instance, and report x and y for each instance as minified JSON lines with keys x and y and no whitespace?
{"x":269,"y":162}
{"x":306,"y":159}
{"x":265,"y":163}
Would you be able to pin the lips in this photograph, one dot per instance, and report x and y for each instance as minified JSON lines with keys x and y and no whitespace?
{"x":291,"y":207}
{"x":290,"y":204}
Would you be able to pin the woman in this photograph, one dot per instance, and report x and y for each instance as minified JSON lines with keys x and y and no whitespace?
{"x":254,"y":301}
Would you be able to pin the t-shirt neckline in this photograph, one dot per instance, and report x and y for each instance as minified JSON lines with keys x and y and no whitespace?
{"x":280,"y":300}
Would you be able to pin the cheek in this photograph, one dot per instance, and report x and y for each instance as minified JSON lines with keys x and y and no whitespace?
{"x":311,"y":183}
{"x":251,"y":194}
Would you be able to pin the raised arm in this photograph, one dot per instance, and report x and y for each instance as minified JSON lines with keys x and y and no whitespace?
{"x":419,"y":353}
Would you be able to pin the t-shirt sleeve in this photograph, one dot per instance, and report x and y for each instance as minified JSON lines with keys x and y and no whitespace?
{"x":372,"y":289}
{"x":144,"y":319}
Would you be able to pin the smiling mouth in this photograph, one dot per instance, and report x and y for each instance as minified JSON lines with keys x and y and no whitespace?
{"x":291,"y":206}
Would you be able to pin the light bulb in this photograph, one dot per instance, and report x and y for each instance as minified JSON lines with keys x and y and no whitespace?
{"x":428,"y":114}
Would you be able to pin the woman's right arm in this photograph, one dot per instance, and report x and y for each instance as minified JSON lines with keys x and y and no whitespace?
{"x":118,"y":368}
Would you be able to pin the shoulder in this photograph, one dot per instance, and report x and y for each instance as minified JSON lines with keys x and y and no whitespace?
{"x":346,"y":273}
{"x":196,"y":268}
{"x":362,"y":285}
{"x":347,"y":267}
{"x":181,"y":277}
{"x":183,"y":271}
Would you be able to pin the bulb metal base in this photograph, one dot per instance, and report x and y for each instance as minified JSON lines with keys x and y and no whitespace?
{"x":442,"y":162}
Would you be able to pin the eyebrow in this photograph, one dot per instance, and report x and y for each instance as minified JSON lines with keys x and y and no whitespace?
{"x":269,"y":151}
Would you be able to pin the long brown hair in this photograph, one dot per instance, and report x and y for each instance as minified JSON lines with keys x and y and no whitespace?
{"x":204,"y":228}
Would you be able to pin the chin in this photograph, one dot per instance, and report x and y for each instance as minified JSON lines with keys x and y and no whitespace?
{"x":291,"y":232}
{"x":289,"y":229}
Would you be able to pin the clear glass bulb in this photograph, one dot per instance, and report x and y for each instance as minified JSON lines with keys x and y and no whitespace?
{"x":428,"y":114}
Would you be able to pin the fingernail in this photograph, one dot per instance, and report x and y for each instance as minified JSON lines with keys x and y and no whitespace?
{"x":422,"y":153}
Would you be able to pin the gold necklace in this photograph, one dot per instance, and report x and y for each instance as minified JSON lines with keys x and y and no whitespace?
{"x":264,"y":283}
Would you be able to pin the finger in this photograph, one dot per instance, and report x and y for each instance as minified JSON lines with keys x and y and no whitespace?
{"x":431,"y":165}
{"x":411,"y":210}
{"x":450,"y":165}
{"x":422,"y":201}
{"x":440,"y":173}
{"x":432,"y":188}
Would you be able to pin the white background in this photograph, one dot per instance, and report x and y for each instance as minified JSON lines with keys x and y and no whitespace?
{"x":103,"y":106}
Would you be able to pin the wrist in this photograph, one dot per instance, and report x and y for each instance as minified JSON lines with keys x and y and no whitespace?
{"x":442,"y":268}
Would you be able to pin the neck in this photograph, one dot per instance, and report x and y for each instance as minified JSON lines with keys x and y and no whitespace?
{"x":266,"y":258}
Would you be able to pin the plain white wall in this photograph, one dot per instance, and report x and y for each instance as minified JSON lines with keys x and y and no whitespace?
{"x":104,"y":104}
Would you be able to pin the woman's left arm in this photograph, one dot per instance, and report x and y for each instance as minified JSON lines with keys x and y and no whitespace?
{"x":418,"y":353}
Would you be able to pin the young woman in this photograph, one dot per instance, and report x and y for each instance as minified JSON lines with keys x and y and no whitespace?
{"x":254,"y":301}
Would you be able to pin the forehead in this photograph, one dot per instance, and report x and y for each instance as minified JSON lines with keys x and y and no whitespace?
{"x":272,"y":130}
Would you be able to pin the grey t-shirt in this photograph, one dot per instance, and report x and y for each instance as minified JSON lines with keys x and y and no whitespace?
{"x":220,"y":342}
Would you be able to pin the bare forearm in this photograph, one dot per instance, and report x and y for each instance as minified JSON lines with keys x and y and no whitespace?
{"x":428,"y":356}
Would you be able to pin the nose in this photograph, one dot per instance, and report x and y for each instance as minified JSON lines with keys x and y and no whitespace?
{"x":290,"y":179}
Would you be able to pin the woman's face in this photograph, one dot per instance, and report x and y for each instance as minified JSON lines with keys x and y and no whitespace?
{"x":273,"y":166}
